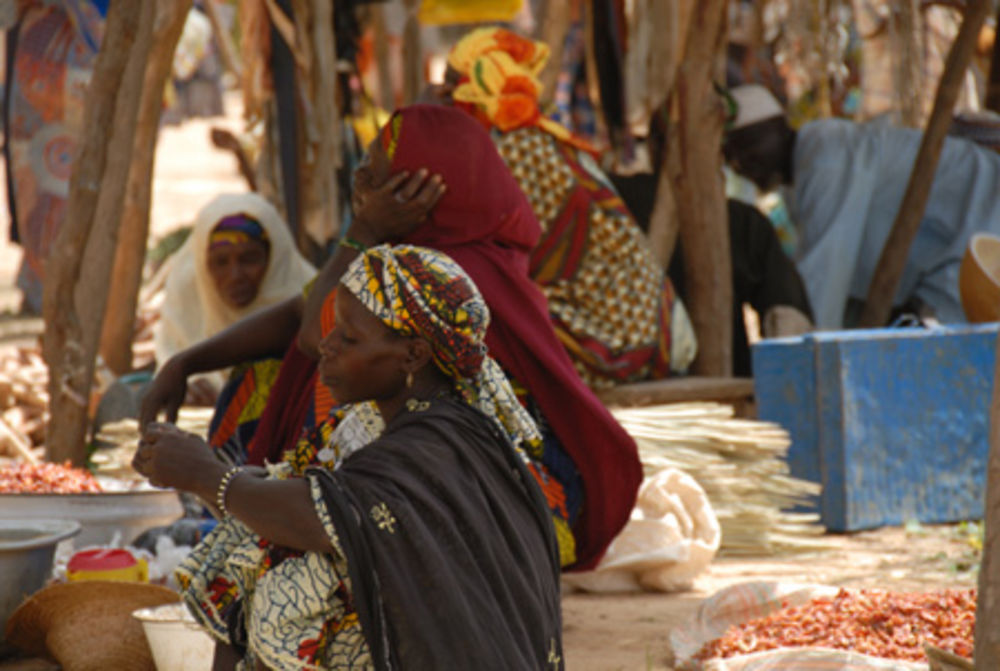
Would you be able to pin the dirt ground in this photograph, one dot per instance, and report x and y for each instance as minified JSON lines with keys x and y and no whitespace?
{"x":601,"y":632}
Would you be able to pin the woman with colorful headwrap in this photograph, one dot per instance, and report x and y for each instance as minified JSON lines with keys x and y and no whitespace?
{"x":587,"y":464}
{"x":239,"y":259}
{"x":431,"y":547}
{"x":611,"y":303}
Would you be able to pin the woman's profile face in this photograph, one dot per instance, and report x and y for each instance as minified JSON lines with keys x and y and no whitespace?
{"x":237,"y":270}
{"x":361,"y":359}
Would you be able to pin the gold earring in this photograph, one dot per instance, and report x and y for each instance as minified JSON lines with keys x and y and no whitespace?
{"x":409,"y":379}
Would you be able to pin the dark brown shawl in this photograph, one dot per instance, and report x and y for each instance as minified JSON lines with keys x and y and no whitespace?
{"x":450,"y":546}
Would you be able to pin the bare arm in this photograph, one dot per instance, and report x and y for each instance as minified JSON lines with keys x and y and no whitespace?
{"x":383,"y":213}
{"x":262,"y":334}
{"x":281,"y":511}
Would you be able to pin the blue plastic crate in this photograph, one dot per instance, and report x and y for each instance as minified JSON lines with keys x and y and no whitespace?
{"x":894,"y":423}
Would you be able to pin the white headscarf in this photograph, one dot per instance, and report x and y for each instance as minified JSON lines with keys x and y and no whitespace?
{"x":192,"y":309}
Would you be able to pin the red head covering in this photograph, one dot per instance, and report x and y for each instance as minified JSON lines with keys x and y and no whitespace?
{"x":485,"y":223}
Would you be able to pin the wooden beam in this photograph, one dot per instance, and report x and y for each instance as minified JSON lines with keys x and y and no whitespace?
{"x":695,"y":166}
{"x":119,"y":321}
{"x":81,"y":258}
{"x":987,"y":634}
{"x":680,"y":390}
{"x":904,"y":229}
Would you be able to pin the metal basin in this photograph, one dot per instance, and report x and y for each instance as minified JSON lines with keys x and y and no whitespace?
{"x":27,"y":548}
{"x":101,"y":516}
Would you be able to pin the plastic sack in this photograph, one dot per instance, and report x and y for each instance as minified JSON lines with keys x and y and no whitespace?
{"x":445,"y":12}
{"x":752,"y":600}
{"x":671,"y":538}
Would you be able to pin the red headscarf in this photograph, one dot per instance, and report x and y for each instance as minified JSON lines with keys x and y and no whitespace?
{"x":486,"y":224}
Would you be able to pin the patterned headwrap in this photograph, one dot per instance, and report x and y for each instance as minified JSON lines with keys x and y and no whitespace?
{"x":235,"y":229}
{"x":500,"y":81}
{"x":417,"y":291}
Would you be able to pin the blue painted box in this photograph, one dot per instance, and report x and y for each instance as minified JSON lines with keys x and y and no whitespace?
{"x":894,"y":423}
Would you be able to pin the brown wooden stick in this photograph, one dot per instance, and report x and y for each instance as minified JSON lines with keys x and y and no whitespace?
{"x":897,"y":248}
{"x":694,"y":161}
{"x":227,"y":49}
{"x":552,"y":30}
{"x":80,"y":262}
{"x":119,"y":322}
{"x":987,"y":634}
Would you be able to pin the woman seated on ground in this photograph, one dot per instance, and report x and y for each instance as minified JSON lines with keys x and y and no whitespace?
{"x":615,"y":310}
{"x":586,"y":463}
{"x":239,"y":258}
{"x":431,"y":547}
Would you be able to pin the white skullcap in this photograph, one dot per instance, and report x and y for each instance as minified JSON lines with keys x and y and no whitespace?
{"x":754,"y":103}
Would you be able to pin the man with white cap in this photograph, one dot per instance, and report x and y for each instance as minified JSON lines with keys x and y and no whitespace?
{"x":844,"y":184}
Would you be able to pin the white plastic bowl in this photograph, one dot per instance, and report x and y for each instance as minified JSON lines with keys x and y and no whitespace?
{"x":175,"y":639}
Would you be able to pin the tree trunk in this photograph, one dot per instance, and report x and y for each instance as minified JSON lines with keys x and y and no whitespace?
{"x":76,"y":287}
{"x":119,"y":322}
{"x":695,"y":166}
{"x":897,"y":247}
{"x":987,"y":636}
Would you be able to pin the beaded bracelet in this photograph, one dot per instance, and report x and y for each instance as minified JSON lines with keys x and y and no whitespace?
{"x":223,"y":489}
{"x":351,"y":243}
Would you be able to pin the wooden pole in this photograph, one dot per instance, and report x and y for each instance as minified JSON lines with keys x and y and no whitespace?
{"x":906,"y":31}
{"x":664,"y":23}
{"x":987,"y":635}
{"x":911,"y":211}
{"x":386,"y":93}
{"x":227,"y":49}
{"x":320,"y":154}
{"x":413,"y":58}
{"x":119,"y":321}
{"x":992,"y":102}
{"x":79,"y":266}
{"x":695,"y":165}
{"x":552,"y":30}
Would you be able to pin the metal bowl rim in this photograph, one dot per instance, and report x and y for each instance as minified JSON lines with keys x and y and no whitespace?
{"x":53,"y":531}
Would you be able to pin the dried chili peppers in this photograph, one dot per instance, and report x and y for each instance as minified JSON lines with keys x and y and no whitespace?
{"x":46,"y":478}
{"x":871,"y":622}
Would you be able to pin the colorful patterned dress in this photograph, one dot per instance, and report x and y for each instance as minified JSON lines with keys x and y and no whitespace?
{"x":612,"y":305}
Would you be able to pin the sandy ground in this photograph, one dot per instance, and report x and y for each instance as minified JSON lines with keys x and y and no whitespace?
{"x":601,"y":632}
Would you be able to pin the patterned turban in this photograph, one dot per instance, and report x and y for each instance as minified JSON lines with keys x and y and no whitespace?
{"x":420,"y":292}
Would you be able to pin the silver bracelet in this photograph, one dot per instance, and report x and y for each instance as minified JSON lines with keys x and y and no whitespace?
{"x":223,"y":489}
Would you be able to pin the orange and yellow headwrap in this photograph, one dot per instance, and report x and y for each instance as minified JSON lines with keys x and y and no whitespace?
{"x":529,"y":54}
{"x":500,"y":79}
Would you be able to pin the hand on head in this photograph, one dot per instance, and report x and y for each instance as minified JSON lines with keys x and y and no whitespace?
{"x":389,"y":206}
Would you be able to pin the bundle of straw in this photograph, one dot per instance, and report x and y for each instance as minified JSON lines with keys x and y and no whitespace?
{"x":741,"y":466}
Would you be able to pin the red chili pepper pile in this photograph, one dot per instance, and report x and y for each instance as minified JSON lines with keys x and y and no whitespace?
{"x":46,"y":478}
{"x":871,"y":622}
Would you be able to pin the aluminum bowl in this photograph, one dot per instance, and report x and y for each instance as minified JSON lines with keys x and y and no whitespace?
{"x":101,"y":516}
{"x":27,"y":549}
